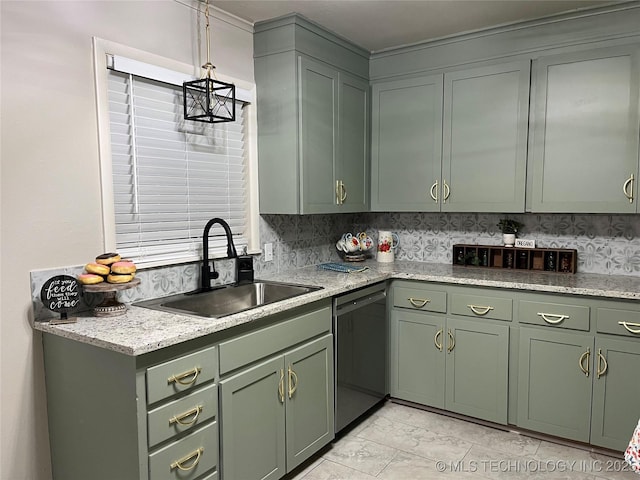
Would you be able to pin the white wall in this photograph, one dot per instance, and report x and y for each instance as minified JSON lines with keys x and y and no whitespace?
{"x":50,"y":183}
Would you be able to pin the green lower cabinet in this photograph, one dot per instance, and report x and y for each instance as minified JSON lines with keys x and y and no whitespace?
{"x":417,"y":359}
{"x":477,"y":369}
{"x":616,"y":392}
{"x":554,"y":382}
{"x":278,"y":413}
{"x":458,"y":365}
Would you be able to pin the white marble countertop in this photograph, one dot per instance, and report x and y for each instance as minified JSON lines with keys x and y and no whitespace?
{"x":142,"y":330}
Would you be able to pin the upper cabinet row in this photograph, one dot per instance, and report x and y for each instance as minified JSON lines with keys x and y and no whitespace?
{"x":460,"y":141}
{"x":556,"y":134}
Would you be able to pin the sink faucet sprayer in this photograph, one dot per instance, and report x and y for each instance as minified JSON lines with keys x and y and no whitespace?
{"x":207,"y":272}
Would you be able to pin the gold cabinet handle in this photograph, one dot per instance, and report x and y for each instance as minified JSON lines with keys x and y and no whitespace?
{"x":341,"y":192}
{"x":194,"y":457}
{"x":601,"y":361}
{"x":552,"y":318}
{"x":586,"y":355}
{"x":293,"y":381}
{"x":194,"y":413}
{"x":281,"y":386}
{"x":445,"y":191}
{"x":627,"y":188}
{"x":418,"y":302}
{"x":628,"y":326}
{"x":434,"y":191}
{"x":452,"y":341}
{"x":480,"y":309}
{"x":186,"y":378}
{"x":435,"y":340}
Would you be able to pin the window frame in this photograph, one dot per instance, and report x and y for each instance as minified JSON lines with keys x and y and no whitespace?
{"x":101,"y":50}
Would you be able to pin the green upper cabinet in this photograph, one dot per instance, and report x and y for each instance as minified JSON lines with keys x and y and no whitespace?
{"x":484,"y":149}
{"x":454,"y":143}
{"x":313,"y":119}
{"x":406,"y":153}
{"x":585,"y":130}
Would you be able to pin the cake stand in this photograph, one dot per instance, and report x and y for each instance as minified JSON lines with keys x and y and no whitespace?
{"x":110,"y":306}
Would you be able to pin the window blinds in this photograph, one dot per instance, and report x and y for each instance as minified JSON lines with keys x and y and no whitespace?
{"x":170,"y":176}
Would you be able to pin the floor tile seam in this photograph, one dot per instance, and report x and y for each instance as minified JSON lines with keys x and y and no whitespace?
{"x":395,"y":454}
{"x":355,"y":470}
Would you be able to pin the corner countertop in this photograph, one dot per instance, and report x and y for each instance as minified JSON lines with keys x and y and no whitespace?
{"x":142,"y":330}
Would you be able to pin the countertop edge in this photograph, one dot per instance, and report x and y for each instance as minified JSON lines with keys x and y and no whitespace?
{"x":142,"y":331}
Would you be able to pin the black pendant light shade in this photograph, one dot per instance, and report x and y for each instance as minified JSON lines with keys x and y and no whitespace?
{"x":209,"y":100}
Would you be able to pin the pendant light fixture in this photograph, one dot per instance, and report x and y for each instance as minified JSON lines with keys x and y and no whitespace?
{"x":208,"y":99}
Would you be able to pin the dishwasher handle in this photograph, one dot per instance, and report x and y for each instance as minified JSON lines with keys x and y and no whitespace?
{"x":360,"y":302}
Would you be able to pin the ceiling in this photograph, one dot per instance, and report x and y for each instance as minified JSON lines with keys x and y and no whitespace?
{"x":381,"y":24}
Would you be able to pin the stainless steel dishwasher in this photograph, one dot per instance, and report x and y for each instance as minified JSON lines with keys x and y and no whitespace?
{"x":361,"y":348}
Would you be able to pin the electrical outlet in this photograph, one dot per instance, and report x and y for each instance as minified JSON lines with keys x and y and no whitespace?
{"x":268,"y":252}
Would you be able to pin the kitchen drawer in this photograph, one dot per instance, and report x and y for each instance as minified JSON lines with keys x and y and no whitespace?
{"x":254,"y":346}
{"x":181,"y":374}
{"x":417,"y":296}
{"x":618,"y":321}
{"x":555,"y":314}
{"x":186,"y":413}
{"x":482,"y":305}
{"x":187,"y":458}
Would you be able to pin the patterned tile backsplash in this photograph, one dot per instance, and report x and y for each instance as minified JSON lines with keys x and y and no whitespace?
{"x":606,"y":244}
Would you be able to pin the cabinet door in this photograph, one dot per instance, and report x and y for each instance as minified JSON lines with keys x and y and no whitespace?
{"x":616,"y":392}
{"x":406,"y":154}
{"x":353,"y":143}
{"x":252,"y":422}
{"x":318,"y":118}
{"x":477,"y":369}
{"x":554,"y":382}
{"x":309,"y":394}
{"x":417,"y":357}
{"x":585,"y":139}
{"x":486,"y":117}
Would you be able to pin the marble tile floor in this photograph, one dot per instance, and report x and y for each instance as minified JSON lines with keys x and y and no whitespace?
{"x":399,"y":442}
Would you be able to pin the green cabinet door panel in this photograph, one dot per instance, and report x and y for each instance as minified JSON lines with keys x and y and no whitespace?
{"x":585,"y":131}
{"x":616,"y":392}
{"x":353,"y":143}
{"x":484,"y":155}
{"x":252,"y":423}
{"x":554,"y":393}
{"x":318,"y":142}
{"x":309,"y":404}
{"x":417,"y":357}
{"x":406,"y":152}
{"x":477,"y":369}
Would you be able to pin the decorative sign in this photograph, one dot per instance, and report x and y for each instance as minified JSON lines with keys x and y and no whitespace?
{"x":61,"y":294}
{"x":525,"y":243}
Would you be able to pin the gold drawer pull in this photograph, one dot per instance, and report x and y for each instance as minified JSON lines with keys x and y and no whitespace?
{"x":628,"y":326}
{"x":445,"y":191}
{"x":194,"y":413}
{"x":181,"y":378}
{"x":194,"y":456}
{"x":418,"y":302}
{"x":601,"y":361}
{"x":552,"y":318}
{"x":293,"y":382}
{"x":586,"y":355}
{"x":435,"y":340}
{"x":479,"y":309}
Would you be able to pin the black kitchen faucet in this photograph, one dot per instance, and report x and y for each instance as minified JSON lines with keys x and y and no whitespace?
{"x":209,"y":272}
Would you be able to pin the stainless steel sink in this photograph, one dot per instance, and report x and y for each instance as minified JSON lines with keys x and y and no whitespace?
{"x":229,"y":299}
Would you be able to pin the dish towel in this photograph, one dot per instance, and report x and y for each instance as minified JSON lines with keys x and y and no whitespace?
{"x":341,"y":267}
{"x":632,"y":453}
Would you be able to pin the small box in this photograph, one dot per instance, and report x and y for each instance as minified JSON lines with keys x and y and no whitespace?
{"x":525,"y":243}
